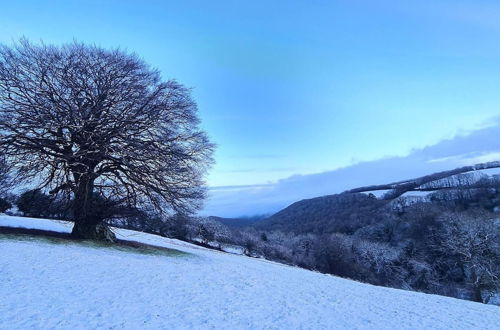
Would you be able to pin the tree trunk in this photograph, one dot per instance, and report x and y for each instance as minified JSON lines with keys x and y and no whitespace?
{"x":476,"y":287}
{"x":87,"y":224}
{"x":99,"y":232}
{"x":477,"y":294}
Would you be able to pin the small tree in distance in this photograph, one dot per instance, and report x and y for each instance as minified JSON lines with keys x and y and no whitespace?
{"x":86,"y":121}
{"x":34,"y":203}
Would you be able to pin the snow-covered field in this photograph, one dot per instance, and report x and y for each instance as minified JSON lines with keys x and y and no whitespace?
{"x":72,"y":286}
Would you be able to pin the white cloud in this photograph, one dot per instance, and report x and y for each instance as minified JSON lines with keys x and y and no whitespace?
{"x":475,"y":147}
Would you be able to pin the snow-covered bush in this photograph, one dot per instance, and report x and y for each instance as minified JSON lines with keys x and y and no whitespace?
{"x":472,"y":242}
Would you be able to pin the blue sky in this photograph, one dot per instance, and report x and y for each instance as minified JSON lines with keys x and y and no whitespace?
{"x":289,"y":88}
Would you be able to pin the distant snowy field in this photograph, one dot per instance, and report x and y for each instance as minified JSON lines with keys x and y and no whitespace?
{"x":56,"y":286}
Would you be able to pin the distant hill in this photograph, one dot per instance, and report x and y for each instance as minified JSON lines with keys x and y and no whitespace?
{"x":343,"y":213}
{"x":238,"y":222}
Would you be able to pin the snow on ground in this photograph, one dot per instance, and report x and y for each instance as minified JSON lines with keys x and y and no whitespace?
{"x":71,"y":286}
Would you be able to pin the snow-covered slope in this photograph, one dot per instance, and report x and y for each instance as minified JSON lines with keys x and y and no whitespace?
{"x":59,"y":286}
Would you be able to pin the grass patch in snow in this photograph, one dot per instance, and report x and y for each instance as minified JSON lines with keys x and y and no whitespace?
{"x":121,"y":245}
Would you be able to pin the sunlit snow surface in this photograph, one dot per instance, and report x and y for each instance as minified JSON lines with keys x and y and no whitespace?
{"x":45,"y":285}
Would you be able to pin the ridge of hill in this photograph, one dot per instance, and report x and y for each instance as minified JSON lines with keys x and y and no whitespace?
{"x":326,"y":214}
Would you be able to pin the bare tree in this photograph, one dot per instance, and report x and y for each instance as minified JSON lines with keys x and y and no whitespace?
{"x":474,"y":240}
{"x":86,"y":121}
{"x":382,"y":260}
{"x":208,"y":230}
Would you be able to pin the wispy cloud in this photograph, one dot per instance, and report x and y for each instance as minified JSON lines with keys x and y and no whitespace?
{"x":240,"y":187}
{"x":267,"y":170}
{"x":261,"y":156}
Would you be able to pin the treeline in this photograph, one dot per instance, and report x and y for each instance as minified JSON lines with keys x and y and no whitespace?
{"x":447,"y":242}
{"x":429,"y":248}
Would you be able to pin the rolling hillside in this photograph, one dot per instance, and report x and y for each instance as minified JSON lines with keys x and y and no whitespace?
{"x":49,"y":284}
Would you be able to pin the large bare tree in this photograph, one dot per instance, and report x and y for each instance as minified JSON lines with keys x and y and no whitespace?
{"x":86,"y":121}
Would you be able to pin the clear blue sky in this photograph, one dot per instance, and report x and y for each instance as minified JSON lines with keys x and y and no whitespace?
{"x":300,"y":87}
